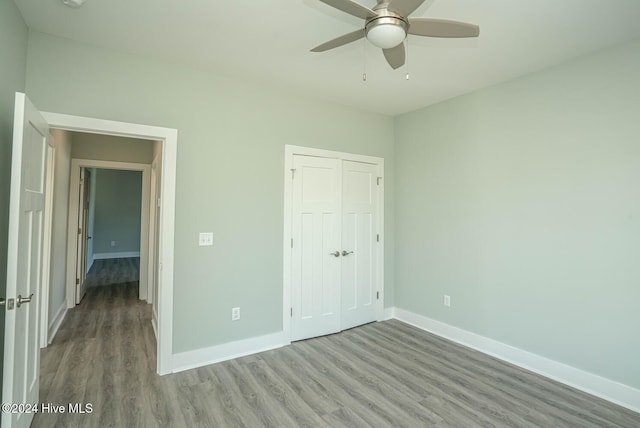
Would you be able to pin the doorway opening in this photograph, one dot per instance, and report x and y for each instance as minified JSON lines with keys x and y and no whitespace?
{"x":156,"y":220}
{"x":114,"y":223}
{"x":110,"y":221}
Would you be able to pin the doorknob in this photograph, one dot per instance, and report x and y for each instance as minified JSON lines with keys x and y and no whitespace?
{"x":20,"y":300}
{"x":346,"y":253}
{"x":336,"y":253}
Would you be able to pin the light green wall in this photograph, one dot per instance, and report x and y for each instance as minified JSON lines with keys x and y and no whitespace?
{"x":118,"y":203}
{"x":522,"y":202}
{"x":110,"y":148}
{"x":231,"y":137}
{"x":59,"y":222}
{"x":13,"y":58}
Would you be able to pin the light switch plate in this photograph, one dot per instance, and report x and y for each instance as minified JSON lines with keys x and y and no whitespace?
{"x":205,"y":239}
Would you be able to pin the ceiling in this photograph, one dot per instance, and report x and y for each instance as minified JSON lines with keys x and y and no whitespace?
{"x":268,"y":42}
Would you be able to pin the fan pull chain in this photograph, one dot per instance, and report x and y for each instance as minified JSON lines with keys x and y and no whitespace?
{"x":364,"y":60}
{"x":407,"y":56}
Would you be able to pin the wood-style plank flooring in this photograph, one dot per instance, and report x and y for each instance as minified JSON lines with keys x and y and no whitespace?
{"x":113,"y":271}
{"x":385,"y":374}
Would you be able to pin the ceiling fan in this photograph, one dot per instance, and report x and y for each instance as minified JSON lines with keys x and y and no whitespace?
{"x":388,"y":24}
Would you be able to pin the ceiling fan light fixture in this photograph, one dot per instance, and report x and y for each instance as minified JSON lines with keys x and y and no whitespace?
{"x":386,"y":32}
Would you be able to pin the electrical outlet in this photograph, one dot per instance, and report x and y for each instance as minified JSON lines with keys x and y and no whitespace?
{"x":235,"y":314}
{"x":113,"y":243}
{"x":205,"y":239}
{"x":447,"y":300}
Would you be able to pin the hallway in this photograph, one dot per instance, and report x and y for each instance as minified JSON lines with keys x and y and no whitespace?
{"x":103,"y":353}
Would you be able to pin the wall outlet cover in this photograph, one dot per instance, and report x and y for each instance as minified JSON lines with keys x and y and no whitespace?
{"x":205,"y":239}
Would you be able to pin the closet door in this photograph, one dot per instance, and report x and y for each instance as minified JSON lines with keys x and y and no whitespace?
{"x":358,"y":252}
{"x":316,"y":257}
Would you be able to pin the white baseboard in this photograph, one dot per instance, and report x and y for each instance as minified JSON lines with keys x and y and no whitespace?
{"x":56,"y":322}
{"x":227,"y":351}
{"x":120,"y":255}
{"x":590,"y":383}
{"x":389,"y":313}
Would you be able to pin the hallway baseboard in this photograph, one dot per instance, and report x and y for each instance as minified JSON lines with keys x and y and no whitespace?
{"x":55,"y":324}
{"x":120,"y":255}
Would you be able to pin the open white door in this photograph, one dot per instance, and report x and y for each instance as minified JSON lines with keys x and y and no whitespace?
{"x":81,"y":249}
{"x":24,"y":261}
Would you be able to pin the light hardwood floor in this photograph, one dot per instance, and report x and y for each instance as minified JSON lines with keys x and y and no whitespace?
{"x":378,"y":375}
{"x":113,"y":271}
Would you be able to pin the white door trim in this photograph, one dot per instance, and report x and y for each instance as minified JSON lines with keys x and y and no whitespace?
{"x":169,"y":139}
{"x":289,"y":152}
{"x":74,"y":212}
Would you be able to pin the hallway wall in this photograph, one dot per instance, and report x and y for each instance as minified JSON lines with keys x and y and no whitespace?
{"x":117,"y":213}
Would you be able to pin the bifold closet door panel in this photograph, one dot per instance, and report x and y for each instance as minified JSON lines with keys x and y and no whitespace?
{"x":359,"y":227}
{"x":316,"y":218}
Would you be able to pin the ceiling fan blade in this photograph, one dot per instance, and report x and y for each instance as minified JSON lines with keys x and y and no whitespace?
{"x":339,"y":41}
{"x":433,"y":27}
{"x":395,"y":56}
{"x":405,"y":7}
{"x":351,"y":7}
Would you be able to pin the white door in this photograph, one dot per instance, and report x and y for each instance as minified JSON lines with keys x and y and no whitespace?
{"x":24,"y":261}
{"x":334,"y":256}
{"x":88,"y":219}
{"x":315,"y":273}
{"x":359,"y":227}
{"x":81,"y":250}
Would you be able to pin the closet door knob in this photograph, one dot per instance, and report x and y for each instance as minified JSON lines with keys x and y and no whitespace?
{"x":336,"y":253}
{"x":346,"y":253}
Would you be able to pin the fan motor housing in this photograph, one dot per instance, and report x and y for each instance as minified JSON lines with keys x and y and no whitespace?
{"x":387,"y":17}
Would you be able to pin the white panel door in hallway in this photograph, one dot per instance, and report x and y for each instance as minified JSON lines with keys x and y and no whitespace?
{"x":334,"y":257}
{"x":24,"y":263}
{"x":83,"y":234}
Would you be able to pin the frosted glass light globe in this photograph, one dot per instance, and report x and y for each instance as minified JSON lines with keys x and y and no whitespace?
{"x":386,"y":36}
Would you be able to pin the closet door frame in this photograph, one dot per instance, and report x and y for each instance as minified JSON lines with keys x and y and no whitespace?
{"x":289,"y":152}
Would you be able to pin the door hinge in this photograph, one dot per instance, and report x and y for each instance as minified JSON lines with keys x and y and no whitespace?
{"x":77,"y":281}
{"x":291,"y":242}
{"x":378,"y":237}
{"x":291,"y":312}
{"x":293,"y":173}
{"x":378,"y":180}
{"x":79,"y":231}
{"x":377,"y":295}
{"x":158,"y":203}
